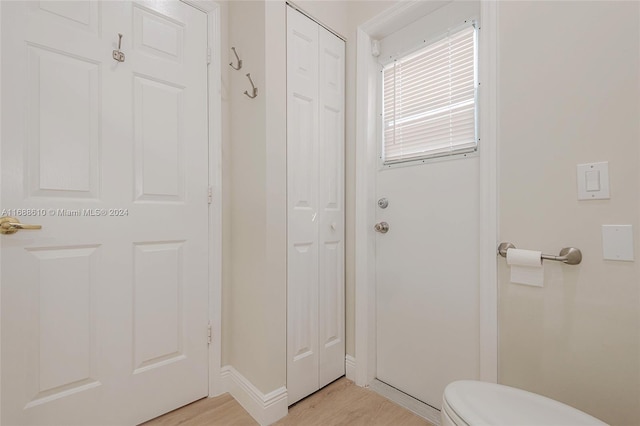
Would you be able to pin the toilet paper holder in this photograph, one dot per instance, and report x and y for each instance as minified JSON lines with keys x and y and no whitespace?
{"x":568,"y":255}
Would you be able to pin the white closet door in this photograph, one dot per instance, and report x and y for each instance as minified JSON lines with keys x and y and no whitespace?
{"x":302,"y":199}
{"x":315,"y":186}
{"x":331,"y":202}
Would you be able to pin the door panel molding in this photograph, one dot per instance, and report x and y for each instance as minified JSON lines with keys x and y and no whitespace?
{"x":366,"y":107}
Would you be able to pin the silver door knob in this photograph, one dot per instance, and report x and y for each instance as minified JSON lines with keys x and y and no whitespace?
{"x":382,"y":227}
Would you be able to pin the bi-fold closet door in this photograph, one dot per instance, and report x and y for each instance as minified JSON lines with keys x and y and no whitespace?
{"x":315,"y":206}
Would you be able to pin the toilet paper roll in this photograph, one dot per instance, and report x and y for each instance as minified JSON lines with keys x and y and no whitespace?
{"x":526,"y":267}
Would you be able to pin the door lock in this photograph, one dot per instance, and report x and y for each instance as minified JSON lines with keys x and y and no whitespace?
{"x":382,"y":227}
{"x":383,"y":203}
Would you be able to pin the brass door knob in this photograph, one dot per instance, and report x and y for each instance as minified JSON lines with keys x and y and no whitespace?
{"x":11,"y":225}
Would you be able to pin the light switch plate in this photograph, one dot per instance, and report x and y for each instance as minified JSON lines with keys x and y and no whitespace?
{"x":617,"y":242}
{"x":593,"y":181}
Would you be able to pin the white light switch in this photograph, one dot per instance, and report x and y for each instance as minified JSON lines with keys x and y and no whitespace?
{"x":617,"y":242}
{"x":593,"y":181}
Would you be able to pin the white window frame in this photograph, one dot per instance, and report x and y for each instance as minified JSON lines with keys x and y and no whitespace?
{"x":427,"y":159}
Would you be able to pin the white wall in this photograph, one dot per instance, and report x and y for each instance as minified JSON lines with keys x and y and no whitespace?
{"x":246,"y":297}
{"x":569,"y":94}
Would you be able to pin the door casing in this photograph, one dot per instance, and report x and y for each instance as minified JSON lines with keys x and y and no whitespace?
{"x":212,"y":9}
{"x":366,"y":140}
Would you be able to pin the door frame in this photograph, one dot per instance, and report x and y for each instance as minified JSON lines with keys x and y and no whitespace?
{"x":214,"y":87}
{"x":214,"y":82}
{"x":392,"y":19}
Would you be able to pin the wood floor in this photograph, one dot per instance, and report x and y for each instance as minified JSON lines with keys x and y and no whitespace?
{"x":340,"y":403}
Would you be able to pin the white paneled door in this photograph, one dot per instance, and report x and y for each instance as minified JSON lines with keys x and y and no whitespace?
{"x":315,"y":192}
{"x":104,"y":310}
{"x":302,"y":206}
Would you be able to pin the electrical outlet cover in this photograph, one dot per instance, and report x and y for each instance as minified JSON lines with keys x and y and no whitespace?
{"x":617,"y":242}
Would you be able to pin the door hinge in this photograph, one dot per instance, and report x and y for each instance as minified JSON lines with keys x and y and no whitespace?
{"x":209,"y":334}
{"x":210,"y":194}
{"x":208,"y":55}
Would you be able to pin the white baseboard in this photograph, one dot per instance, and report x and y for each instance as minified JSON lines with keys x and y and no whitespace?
{"x":402,"y":399}
{"x":265,"y":409}
{"x":350,"y":367}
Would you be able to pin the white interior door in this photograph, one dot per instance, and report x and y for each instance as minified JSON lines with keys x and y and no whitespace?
{"x":315,"y":188}
{"x":331,"y":206}
{"x":302,"y":209}
{"x":104,"y":310}
{"x":427,"y":264}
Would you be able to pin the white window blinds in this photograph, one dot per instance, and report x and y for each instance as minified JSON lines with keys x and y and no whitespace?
{"x":429,"y":100}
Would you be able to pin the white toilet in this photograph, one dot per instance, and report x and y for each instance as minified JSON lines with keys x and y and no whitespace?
{"x":473,"y":403}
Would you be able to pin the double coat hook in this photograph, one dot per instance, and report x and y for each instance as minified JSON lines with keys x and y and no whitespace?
{"x":255,"y":89}
{"x":117,"y":53}
{"x":237,"y":59}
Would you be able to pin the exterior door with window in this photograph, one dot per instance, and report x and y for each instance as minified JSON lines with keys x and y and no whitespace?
{"x":104,"y":310}
{"x":427,"y":262}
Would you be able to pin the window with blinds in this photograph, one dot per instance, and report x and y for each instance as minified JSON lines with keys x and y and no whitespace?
{"x":429,"y":100}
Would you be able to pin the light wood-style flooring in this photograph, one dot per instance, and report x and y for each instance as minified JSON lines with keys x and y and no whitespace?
{"x":340,"y":403}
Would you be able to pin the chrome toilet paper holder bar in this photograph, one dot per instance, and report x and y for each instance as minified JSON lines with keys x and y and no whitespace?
{"x":568,"y":255}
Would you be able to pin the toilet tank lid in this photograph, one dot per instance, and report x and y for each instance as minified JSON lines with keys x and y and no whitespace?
{"x":481,"y":403}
